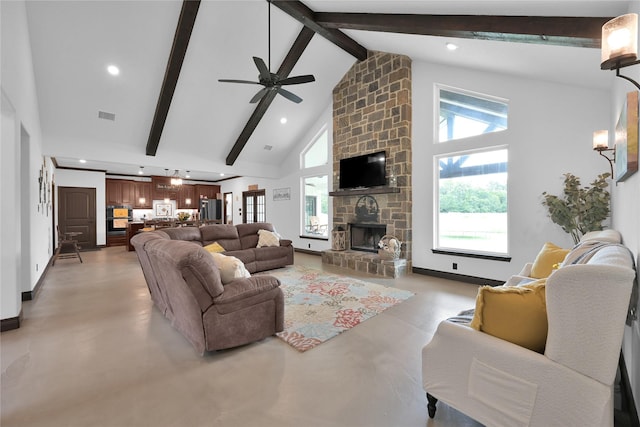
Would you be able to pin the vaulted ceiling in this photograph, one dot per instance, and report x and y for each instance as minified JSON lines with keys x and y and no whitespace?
{"x":185,"y":119}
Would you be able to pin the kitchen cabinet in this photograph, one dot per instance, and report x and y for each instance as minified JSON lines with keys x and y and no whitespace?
{"x":186,"y":197}
{"x":142,"y":199}
{"x":119,"y":192}
{"x":207,"y":191}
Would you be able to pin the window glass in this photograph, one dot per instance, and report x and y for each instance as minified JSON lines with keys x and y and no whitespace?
{"x":316,"y":153}
{"x":462,"y":114}
{"x":472,"y":201}
{"x":316,"y":206}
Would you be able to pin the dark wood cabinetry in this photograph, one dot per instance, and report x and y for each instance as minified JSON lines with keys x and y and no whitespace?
{"x":207,"y":191}
{"x":142,"y":199}
{"x":163,"y":189}
{"x":186,"y":197}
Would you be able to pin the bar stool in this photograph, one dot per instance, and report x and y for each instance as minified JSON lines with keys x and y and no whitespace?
{"x":65,"y":240}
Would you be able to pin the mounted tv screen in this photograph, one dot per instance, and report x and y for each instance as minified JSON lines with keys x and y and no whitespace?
{"x":368,"y":170}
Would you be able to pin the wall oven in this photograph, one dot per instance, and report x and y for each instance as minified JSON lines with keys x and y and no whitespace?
{"x":117,"y":219}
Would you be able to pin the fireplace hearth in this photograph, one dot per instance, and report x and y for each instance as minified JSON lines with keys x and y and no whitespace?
{"x":365,"y":236}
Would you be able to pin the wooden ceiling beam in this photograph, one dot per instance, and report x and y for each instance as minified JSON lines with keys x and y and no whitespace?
{"x":306,"y":16}
{"x":181,"y":39}
{"x":565,"y":31}
{"x":294,"y":54}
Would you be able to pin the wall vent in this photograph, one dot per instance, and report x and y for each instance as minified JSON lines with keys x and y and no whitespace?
{"x":106,"y":116}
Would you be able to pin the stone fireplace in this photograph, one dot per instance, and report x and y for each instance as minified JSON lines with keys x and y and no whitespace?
{"x":372,"y":112}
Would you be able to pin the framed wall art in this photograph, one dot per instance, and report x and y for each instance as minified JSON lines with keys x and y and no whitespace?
{"x":281,"y":194}
{"x":626,"y":138}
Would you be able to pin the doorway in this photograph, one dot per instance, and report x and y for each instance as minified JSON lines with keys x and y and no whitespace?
{"x":228,"y":208}
{"x":254,"y":206}
{"x":77,"y":212}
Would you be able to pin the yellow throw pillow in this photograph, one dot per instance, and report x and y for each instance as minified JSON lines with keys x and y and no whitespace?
{"x":215,"y":248}
{"x":549,"y":255}
{"x":517,"y":314}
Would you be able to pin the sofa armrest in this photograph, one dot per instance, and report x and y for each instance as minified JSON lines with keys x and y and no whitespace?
{"x":500,"y":383}
{"x":285,"y":242}
{"x":243,"y":288}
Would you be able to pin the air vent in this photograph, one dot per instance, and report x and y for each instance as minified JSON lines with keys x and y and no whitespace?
{"x":106,"y":116}
{"x":268,"y":147}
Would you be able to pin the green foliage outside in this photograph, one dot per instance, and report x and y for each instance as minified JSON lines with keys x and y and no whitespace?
{"x":462,"y":197}
{"x":580,"y":210}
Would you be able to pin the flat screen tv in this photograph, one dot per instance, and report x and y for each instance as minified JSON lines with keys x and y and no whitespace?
{"x":368,"y":170}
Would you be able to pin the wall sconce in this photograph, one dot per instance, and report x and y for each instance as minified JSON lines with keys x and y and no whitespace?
{"x":142,"y":200}
{"x":620,"y":44}
{"x":601,"y":144}
{"x":187,"y":201}
{"x":141,"y":170}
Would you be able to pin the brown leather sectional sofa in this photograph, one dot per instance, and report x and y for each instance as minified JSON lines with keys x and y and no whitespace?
{"x":185,"y":285}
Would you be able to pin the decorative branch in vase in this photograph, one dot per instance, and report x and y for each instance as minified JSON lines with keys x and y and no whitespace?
{"x":580,"y":210}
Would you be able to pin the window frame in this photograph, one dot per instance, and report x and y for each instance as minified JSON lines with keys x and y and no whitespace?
{"x":323,"y":129}
{"x":464,"y":92}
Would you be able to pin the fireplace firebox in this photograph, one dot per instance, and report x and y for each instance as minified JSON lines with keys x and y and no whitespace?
{"x":365,"y":236}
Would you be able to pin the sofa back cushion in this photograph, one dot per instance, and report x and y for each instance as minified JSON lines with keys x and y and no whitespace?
{"x":188,"y":234}
{"x":249,"y":233}
{"x":226,"y":236}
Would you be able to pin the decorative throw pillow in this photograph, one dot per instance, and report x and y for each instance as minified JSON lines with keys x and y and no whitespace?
{"x":547,"y":258}
{"x":214,"y":247}
{"x":267,"y":238}
{"x":517,"y":314}
{"x":231,"y":268}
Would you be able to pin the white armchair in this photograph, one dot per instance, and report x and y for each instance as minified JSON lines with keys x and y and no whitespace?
{"x":502,"y":384}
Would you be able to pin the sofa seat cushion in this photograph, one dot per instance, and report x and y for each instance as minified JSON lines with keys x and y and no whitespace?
{"x":271,"y":253}
{"x":226,"y":235}
{"x":247,"y":256}
{"x":516,"y":314}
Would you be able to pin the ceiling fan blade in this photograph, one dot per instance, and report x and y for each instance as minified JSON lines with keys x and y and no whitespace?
{"x":265,"y":74}
{"x":290,"y":96}
{"x":297,"y":80}
{"x":238,"y":81}
{"x":258,"y":96}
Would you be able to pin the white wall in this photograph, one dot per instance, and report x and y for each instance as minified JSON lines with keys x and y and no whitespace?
{"x":286,"y":214}
{"x":20,"y":115}
{"x":86,"y":179}
{"x":625,"y":201}
{"x":548,"y":122}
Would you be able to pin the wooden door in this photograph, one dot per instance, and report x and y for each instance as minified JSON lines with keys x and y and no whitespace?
{"x":254,"y":206}
{"x":77,"y":212}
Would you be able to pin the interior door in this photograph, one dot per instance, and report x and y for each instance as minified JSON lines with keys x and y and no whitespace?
{"x":254,"y":206}
{"x":77,"y":212}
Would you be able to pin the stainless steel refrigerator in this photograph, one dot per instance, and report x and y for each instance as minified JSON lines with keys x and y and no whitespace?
{"x":211,"y":209}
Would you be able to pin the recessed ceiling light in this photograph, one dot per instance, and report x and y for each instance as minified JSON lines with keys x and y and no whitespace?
{"x":283,"y":120}
{"x":221,"y":174}
{"x":113,"y":70}
{"x":82,"y":161}
{"x":451,"y":46}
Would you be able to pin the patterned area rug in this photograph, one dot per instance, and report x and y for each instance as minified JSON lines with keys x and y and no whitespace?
{"x":319,"y":305}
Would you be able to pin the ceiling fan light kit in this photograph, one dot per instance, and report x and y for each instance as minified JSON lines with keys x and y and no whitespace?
{"x":271,"y":81}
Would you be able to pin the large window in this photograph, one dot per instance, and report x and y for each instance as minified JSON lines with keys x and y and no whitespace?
{"x":316,"y":206}
{"x":462,"y":114}
{"x":472,"y":201}
{"x":317,"y":153}
{"x":315,"y":189}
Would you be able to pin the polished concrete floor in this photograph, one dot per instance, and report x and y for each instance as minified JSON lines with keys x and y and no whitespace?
{"x":93,"y":351}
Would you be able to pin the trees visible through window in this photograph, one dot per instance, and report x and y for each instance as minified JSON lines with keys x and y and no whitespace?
{"x":462,"y":114}
{"x":472,"y":201}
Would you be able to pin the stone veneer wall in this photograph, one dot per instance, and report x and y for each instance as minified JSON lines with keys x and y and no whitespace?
{"x":372,"y":112}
